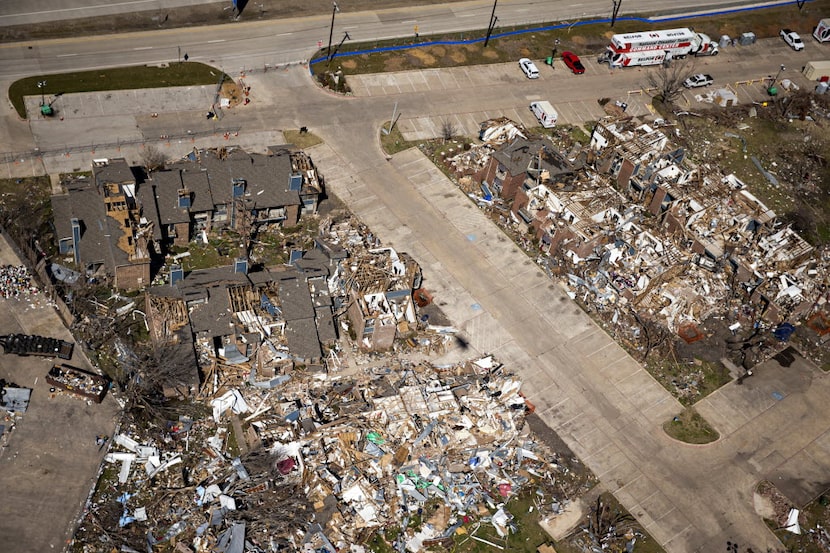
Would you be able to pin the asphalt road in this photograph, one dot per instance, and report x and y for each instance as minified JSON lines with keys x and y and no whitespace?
{"x":256,"y":43}
{"x":19,"y":12}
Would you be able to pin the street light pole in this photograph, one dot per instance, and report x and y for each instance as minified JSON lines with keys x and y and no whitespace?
{"x":334,"y":10}
{"x":778,"y":74}
{"x":42,"y":85}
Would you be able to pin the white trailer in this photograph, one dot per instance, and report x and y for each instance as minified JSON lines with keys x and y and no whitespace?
{"x":822,"y":31}
{"x":653,"y":47}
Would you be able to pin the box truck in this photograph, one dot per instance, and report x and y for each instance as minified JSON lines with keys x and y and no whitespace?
{"x":545,"y":113}
{"x":653,"y":47}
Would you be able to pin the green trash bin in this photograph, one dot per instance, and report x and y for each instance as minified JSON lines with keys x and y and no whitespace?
{"x":549,"y":60}
{"x":772,"y":91}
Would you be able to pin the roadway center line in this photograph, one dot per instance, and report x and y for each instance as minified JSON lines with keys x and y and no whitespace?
{"x":143,"y":48}
{"x":284,"y":34}
{"x":216,"y":40}
{"x":66,"y":55}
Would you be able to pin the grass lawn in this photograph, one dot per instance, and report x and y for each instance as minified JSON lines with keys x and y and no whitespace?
{"x":120,"y":78}
{"x":393,"y":142}
{"x":691,"y":428}
{"x":301,"y":140}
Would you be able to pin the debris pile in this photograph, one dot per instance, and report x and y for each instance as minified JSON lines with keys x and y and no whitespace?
{"x":78,"y":382}
{"x":16,"y":282}
{"x":332,"y":462}
{"x":14,"y":400}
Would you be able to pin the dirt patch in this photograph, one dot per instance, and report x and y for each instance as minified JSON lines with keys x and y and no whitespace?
{"x":437,"y":51}
{"x":458,"y":56}
{"x":424,"y":57}
{"x":348,"y":64}
{"x":233,"y":92}
{"x":763,"y":506}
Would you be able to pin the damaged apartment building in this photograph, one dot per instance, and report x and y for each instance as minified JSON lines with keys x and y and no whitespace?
{"x":257,"y":326}
{"x":243,"y":326}
{"x":111,"y":226}
{"x":641,"y":227}
{"x":99,"y":227}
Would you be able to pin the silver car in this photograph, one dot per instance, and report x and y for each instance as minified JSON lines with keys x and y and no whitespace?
{"x":698,"y":80}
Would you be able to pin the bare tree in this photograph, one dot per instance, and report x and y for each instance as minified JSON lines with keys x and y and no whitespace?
{"x":153,"y":159}
{"x":668,"y":79}
{"x":448,"y":129}
{"x":148,"y":370}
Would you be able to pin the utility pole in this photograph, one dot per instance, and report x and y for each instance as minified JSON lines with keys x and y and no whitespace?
{"x":337,"y":49}
{"x":334,"y":10}
{"x":615,"y":9}
{"x":42,"y":85}
{"x":492,"y":23}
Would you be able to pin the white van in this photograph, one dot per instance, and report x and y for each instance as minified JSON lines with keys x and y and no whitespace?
{"x":545,"y":113}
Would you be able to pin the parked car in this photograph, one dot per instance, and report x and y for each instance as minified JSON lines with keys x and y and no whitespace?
{"x":573,"y":63}
{"x":792,"y":39}
{"x":529,"y":68}
{"x":698,"y":80}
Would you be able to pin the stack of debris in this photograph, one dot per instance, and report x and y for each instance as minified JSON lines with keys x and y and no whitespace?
{"x":15,"y":281}
{"x":430,"y":451}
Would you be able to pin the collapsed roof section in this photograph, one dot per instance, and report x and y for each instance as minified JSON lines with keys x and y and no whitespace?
{"x":379,"y":283}
{"x":642,"y":225}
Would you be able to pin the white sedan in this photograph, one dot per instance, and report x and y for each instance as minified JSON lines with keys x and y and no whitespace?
{"x":529,"y":68}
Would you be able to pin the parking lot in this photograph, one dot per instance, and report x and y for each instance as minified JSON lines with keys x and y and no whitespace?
{"x":564,"y":89}
{"x":49,"y":460}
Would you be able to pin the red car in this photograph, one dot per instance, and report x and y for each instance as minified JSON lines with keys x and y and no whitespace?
{"x":573,"y":63}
